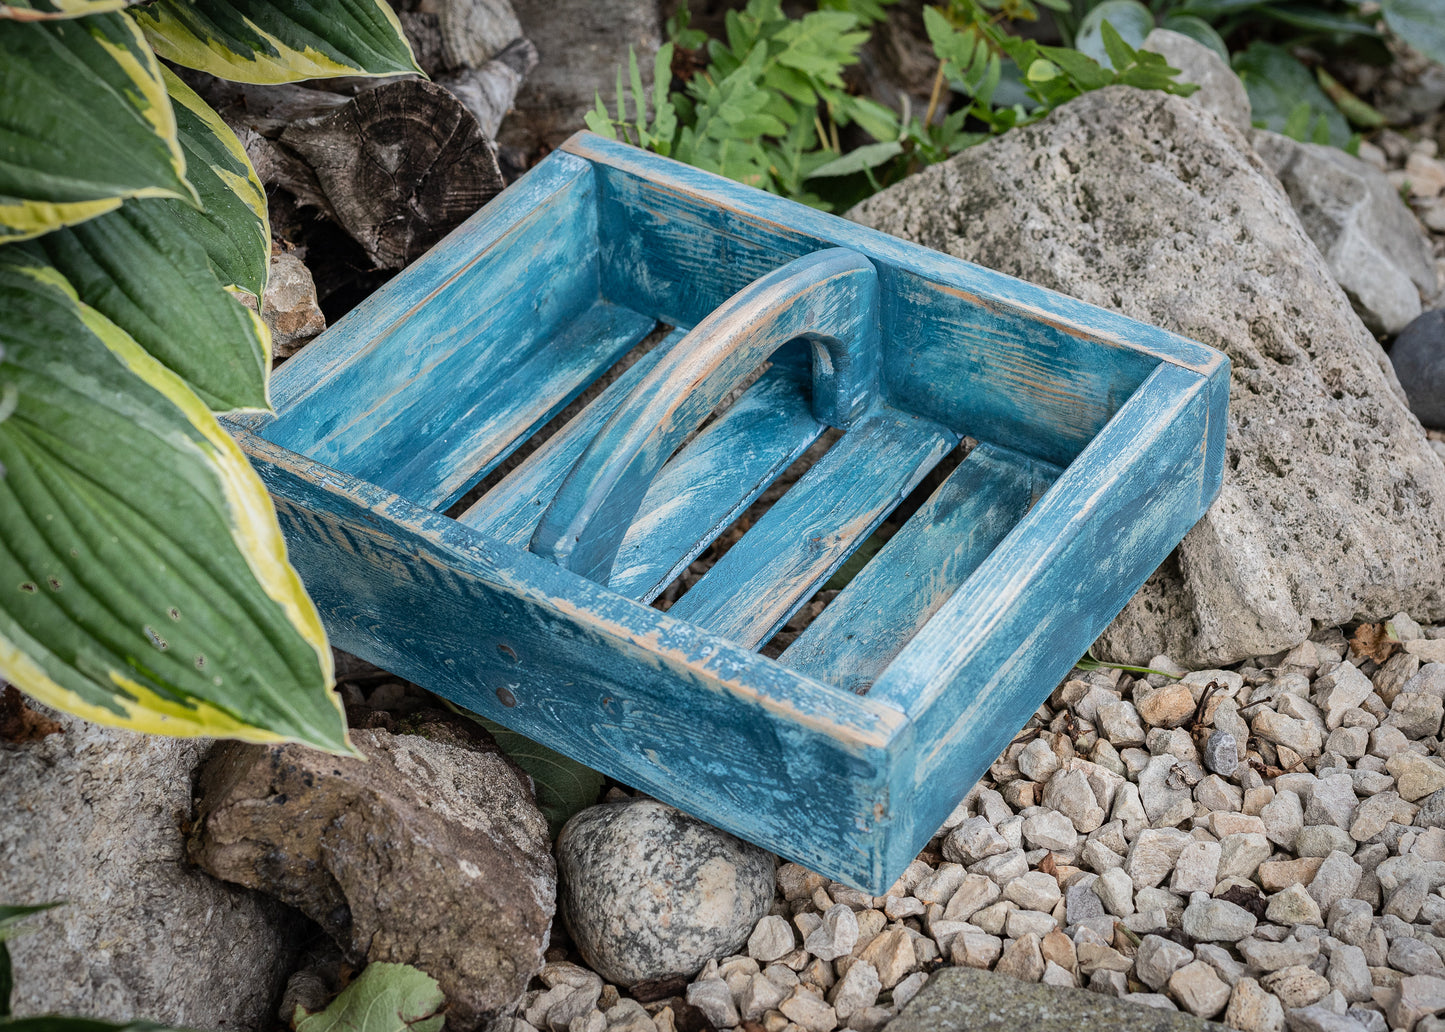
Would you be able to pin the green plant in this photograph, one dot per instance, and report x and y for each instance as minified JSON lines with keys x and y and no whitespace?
{"x":143,"y":578}
{"x":771,"y":108}
{"x":383,"y":998}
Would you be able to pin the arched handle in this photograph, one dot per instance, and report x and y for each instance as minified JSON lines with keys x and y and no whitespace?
{"x":829,"y":298}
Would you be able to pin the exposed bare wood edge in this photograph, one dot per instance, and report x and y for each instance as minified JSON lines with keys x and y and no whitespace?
{"x":371,"y":323}
{"x":830,"y":297}
{"x":861,"y":724}
{"x":987,"y":288}
{"x":929,"y":664}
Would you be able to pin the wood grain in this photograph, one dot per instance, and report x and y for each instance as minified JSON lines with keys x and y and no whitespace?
{"x":920,"y":568}
{"x":829,"y":298}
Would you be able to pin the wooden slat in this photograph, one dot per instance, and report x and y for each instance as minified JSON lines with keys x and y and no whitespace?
{"x":806,"y":535}
{"x":410,"y":381}
{"x":966,"y":346}
{"x":890,"y":600}
{"x":829,"y":297}
{"x":654,"y":702}
{"x":711,"y":481}
{"x":509,"y":512}
{"x":505,"y":410}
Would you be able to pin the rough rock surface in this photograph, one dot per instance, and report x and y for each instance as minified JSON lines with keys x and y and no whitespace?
{"x":1146,"y":204}
{"x":93,"y":816}
{"x":1418,"y":355}
{"x":1374,"y":246}
{"x":290,"y":307}
{"x":464,"y":888}
{"x":1220,"y":91}
{"x":648,"y":892}
{"x":958,"y":999}
{"x":581,"y":43}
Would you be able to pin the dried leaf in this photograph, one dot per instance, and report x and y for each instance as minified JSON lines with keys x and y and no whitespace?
{"x":1373,"y":641}
{"x":19,"y":723}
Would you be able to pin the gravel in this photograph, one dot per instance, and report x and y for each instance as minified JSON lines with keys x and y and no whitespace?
{"x":1277,"y":866}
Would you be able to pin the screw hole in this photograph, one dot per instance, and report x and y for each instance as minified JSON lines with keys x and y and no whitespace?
{"x":505,"y":697}
{"x":509,"y":653}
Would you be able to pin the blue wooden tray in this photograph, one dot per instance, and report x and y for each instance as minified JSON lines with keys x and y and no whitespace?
{"x":1101,"y":443}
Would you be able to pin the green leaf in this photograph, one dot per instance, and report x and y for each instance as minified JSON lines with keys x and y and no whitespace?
{"x":12,"y":914}
{"x":1352,"y":107}
{"x":1421,"y":23}
{"x":869,"y":156}
{"x":384,"y":998}
{"x":1314,"y":19}
{"x":233,"y":227}
{"x":562,"y":785}
{"x":96,"y":79}
{"x":1129,"y":18}
{"x":270,"y":41}
{"x":1198,"y":30}
{"x":153,"y":281}
{"x":1278,"y":84}
{"x":143,"y":578}
{"x":36,"y":10}
{"x":1121,"y":54}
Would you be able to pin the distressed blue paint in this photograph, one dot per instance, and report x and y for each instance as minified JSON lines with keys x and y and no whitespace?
{"x":985,"y":601}
{"x":788,"y":554}
{"x":509,"y":512}
{"x":710,"y":482}
{"x":830,"y":297}
{"x":920,"y":568}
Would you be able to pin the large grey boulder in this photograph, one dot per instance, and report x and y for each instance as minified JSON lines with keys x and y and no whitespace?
{"x":1220,"y":91}
{"x":429,"y":852}
{"x":94,"y":816}
{"x":1373,"y":244}
{"x":1333,"y":506}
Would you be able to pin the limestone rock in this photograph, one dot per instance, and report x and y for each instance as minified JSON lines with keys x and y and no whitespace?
{"x":1220,"y":91}
{"x":290,"y":307}
{"x":1141,"y":202}
{"x":429,"y":852}
{"x":648,"y":891}
{"x":93,"y":816}
{"x":1373,"y":244}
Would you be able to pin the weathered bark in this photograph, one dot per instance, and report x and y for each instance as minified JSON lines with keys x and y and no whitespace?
{"x":487,"y":92}
{"x":400,"y":166}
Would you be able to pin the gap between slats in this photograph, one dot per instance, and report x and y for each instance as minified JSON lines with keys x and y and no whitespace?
{"x":515,"y":405}
{"x":757,"y":585}
{"x":893,"y":596}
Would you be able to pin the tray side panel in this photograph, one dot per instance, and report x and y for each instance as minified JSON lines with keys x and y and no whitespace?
{"x":975,"y":350}
{"x":481,"y":312}
{"x":995,"y":650}
{"x":655,"y":702}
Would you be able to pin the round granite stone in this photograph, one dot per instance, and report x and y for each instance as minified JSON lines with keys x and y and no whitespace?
{"x":648,"y":892}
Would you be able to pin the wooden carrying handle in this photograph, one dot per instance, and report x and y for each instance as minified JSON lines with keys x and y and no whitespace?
{"x":829,"y":298}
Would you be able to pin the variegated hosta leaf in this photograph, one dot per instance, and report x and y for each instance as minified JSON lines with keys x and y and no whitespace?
{"x":147,"y":275}
{"x":268,"y":41}
{"x":143,"y":578}
{"x":36,"y":10}
{"x":233,"y":228}
{"x":86,"y":122}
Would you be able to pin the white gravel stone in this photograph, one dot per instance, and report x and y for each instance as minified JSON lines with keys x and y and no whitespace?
{"x":771,"y":939}
{"x":1253,"y":1009}
{"x":1197,"y":869}
{"x":973,"y":894}
{"x":1034,"y":891}
{"x":1157,"y":959}
{"x":857,"y":990}
{"x":972,"y":841}
{"x":1217,"y":920}
{"x":1283,"y":818}
{"x":1115,"y":888}
{"x":1049,"y":829}
{"x":1337,"y":878}
{"x":1332,"y":802}
{"x":1038,"y":761}
{"x":1241,"y":854}
{"x":1069,"y":792}
{"x":1340,"y":691}
{"x":713,"y":997}
{"x":1119,"y":723}
{"x":807,"y":1008}
{"x":761,"y":995}
{"x":836,"y":936}
{"x":1199,"y":989}
{"x":1293,"y":906}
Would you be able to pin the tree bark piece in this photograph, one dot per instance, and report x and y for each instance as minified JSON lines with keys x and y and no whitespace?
{"x":401,"y":166}
{"x":487,"y":92}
